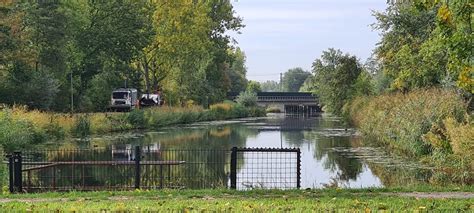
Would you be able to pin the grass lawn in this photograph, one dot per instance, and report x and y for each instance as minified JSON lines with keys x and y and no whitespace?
{"x":238,"y":201}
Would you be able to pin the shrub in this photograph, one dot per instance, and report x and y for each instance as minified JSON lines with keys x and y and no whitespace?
{"x":221,"y":111}
{"x":247,"y":99}
{"x":137,"y":118}
{"x":82,"y":127}
{"x":54,"y":131}
{"x":273,"y":110}
{"x":17,"y":134}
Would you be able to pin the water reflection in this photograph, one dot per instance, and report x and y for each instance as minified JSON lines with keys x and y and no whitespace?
{"x":332,"y":153}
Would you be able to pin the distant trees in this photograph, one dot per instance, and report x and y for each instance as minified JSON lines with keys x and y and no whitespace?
{"x":180,"y":47}
{"x":254,"y":87}
{"x":270,"y":86}
{"x":293,"y":79}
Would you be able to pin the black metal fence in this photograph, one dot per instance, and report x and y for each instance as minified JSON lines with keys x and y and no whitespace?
{"x":274,"y":168}
{"x":148,"y":167}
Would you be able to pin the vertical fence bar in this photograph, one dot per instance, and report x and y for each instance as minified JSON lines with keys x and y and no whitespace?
{"x":161,"y":176}
{"x":233,"y":168}
{"x":137,"y":167}
{"x":10,"y":173}
{"x":17,"y":172}
{"x":298,"y":168}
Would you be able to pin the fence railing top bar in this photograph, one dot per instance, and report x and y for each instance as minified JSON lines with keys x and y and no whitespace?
{"x":107,"y":149}
{"x":251,"y":149}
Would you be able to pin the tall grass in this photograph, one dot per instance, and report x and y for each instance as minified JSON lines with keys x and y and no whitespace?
{"x":20,"y":128}
{"x":430,"y":124}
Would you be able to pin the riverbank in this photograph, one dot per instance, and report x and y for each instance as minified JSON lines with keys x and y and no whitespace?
{"x":21,"y":128}
{"x":431,"y":125}
{"x":239,"y":201}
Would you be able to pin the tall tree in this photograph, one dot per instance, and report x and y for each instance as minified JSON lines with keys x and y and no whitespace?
{"x":196,"y":57}
{"x":426,"y":43}
{"x":115,"y":33}
{"x":293,"y":79}
{"x":335,"y":74}
{"x":237,"y":71}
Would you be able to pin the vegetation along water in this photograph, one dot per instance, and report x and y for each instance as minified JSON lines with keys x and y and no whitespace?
{"x":402,"y":118}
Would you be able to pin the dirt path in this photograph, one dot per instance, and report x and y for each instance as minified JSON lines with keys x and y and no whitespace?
{"x":435,"y":195}
{"x":432,"y":195}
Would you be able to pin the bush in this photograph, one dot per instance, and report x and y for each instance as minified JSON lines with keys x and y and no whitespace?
{"x":54,"y":131}
{"x":247,"y":99}
{"x":82,"y":127}
{"x":221,"y":111}
{"x":17,"y":134}
{"x":137,"y":118}
{"x":273,"y":110}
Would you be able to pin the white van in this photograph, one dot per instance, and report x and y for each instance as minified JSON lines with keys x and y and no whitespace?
{"x":123,"y":99}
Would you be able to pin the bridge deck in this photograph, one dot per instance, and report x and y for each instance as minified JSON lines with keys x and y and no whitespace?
{"x":282,"y":97}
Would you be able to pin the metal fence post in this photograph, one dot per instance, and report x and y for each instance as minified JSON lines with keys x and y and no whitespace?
{"x":298,"y":169}
{"x":17,"y":178}
{"x":233,"y":168}
{"x":137,"y":166}
{"x":10,"y":173}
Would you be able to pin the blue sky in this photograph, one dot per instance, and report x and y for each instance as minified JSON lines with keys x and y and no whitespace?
{"x":282,"y":34}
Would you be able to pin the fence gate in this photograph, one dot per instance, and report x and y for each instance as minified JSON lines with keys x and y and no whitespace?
{"x":278,"y":168}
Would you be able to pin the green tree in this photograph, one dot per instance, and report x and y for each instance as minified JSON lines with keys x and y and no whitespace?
{"x":293,"y":79}
{"x":114,"y":35}
{"x":196,"y":57}
{"x":237,"y":71}
{"x":253,"y":86}
{"x":308,"y":85}
{"x":335,"y":74}
{"x":426,"y":43}
{"x":270,"y":86}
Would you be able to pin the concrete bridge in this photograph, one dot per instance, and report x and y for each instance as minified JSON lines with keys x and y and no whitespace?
{"x":287,"y":102}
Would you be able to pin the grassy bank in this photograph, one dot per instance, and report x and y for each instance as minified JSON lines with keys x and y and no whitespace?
{"x":22,"y":128}
{"x":234,"y":201}
{"x":433,"y":125}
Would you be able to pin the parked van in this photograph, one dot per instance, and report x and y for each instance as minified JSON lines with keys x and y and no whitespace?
{"x":123,"y":99}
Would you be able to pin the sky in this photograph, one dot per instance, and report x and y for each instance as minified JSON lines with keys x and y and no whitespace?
{"x":283,"y":34}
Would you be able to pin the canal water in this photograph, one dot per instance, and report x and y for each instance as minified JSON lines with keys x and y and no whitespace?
{"x":332,"y":153}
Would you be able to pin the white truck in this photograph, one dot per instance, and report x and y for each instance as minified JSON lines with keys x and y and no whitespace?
{"x":124,"y":99}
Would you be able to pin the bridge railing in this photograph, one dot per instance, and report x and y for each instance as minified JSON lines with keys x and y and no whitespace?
{"x":286,"y":99}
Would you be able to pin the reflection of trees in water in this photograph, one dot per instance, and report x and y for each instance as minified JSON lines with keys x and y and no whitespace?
{"x":294,"y":138}
{"x":213,"y":159}
{"x":206,"y":152}
{"x":304,"y":131}
{"x":345,"y":168}
{"x":77,"y":176}
{"x":399,"y":176}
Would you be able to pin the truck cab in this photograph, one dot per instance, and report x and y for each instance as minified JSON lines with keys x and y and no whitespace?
{"x":123,"y":99}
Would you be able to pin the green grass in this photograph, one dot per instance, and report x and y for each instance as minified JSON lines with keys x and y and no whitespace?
{"x":236,"y":201}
